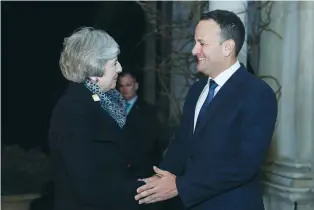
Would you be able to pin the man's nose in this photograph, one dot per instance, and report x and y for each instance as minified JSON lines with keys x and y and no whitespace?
{"x":195,"y":49}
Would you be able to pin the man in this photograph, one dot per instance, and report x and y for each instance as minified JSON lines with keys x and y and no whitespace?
{"x":142,"y":129}
{"x":227,"y":125}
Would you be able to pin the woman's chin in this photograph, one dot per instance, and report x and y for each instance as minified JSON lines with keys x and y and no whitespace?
{"x":113,"y":86}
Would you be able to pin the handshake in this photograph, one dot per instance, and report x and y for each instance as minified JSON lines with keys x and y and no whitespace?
{"x":160,"y":187}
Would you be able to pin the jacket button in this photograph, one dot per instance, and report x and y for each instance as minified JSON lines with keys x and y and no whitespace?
{"x":129,"y":165}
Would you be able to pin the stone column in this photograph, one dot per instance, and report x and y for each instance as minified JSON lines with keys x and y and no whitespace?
{"x":288,"y":173}
{"x":305,"y":84}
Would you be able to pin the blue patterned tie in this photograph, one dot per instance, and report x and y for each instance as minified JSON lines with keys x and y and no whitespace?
{"x":210,"y":96}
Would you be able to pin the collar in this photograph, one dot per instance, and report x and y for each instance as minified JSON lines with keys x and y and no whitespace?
{"x":133,"y":100}
{"x":223,"y":77}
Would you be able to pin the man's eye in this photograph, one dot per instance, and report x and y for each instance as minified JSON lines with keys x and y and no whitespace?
{"x":202,"y":44}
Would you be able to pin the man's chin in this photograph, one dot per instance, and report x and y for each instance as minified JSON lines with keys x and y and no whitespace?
{"x":200,"y":70}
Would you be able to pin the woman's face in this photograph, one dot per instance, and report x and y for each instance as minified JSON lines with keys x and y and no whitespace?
{"x":109,"y":79}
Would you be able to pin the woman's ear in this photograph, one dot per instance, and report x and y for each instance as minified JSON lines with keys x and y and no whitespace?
{"x":136,"y":86}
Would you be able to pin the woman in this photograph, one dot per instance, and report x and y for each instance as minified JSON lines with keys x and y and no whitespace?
{"x":89,"y":155}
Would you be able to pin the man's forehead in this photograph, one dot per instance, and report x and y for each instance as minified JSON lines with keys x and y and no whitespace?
{"x":206,"y":28}
{"x":208,"y":24}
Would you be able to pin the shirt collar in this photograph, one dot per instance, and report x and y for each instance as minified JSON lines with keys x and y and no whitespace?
{"x":223,"y":77}
{"x":132,"y":101}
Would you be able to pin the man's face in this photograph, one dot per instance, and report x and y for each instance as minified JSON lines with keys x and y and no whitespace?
{"x":207,"y":47}
{"x":128,"y":87}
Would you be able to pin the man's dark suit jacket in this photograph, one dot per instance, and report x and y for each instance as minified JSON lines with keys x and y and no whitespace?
{"x":142,"y":131}
{"x":217,"y":166}
{"x":89,"y":154}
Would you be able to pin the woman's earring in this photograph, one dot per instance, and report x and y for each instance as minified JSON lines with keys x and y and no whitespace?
{"x":94,"y":79}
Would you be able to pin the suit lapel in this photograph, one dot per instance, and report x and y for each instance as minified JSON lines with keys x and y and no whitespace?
{"x":134,"y":110}
{"x":196,"y":93}
{"x":223,"y":96}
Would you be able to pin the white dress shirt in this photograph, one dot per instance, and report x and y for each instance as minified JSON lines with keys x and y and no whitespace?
{"x":221,"y":79}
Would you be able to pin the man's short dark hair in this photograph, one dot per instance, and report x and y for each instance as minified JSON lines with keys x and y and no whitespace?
{"x":230,"y":24}
{"x":128,"y":73}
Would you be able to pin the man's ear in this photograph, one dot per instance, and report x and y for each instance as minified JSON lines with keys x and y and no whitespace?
{"x":228,"y":47}
{"x":136,"y":86}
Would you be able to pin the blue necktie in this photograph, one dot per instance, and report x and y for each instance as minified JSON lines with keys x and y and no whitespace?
{"x":127,"y":107}
{"x":210,"y":96}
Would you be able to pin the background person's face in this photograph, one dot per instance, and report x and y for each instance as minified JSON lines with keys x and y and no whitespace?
{"x":128,"y":87}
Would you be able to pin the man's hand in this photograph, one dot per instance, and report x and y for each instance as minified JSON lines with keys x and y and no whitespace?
{"x":151,"y":179}
{"x":159,"y":189}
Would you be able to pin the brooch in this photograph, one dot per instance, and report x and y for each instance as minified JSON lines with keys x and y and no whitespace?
{"x":95,"y":97}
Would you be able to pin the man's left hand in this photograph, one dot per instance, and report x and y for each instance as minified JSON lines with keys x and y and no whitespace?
{"x":158,"y":190}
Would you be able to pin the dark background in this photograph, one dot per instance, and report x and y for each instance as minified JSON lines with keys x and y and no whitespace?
{"x":32,"y":36}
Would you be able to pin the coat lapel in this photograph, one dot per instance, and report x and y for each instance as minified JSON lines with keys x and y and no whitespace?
{"x":196,"y":93}
{"x":134,"y":109}
{"x":223,"y":96}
